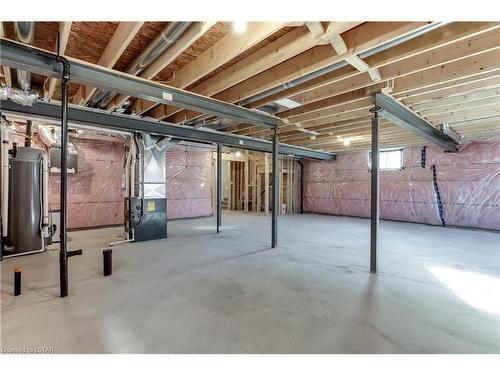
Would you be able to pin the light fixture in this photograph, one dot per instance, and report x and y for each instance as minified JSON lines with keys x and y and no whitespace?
{"x":238,"y":154}
{"x":240,"y":26}
{"x":347,"y":142}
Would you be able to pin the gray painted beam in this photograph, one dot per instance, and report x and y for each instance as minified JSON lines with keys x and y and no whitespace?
{"x":104,"y":119}
{"x":399,"y":114}
{"x":15,"y":55}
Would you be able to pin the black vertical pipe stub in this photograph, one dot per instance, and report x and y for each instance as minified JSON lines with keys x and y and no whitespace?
{"x":17,"y":281}
{"x":107,"y":264}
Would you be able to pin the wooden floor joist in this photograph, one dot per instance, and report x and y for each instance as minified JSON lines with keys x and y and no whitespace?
{"x":449,"y":73}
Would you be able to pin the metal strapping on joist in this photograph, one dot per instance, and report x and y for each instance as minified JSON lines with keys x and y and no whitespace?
{"x":423,"y":158}
{"x":438,"y":195}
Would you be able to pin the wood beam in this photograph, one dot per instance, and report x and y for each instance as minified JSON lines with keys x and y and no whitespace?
{"x":7,"y":76}
{"x":438,"y":38}
{"x":118,"y":43}
{"x":362,"y":38}
{"x":223,"y":51}
{"x":191,"y":35}
{"x":316,"y":29}
{"x":435,"y":68}
{"x":289,"y":45}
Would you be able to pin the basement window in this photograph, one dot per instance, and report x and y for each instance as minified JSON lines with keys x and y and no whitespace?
{"x":390,"y":159}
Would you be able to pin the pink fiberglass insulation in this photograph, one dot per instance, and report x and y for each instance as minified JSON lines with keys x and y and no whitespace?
{"x":468,"y":182}
{"x":95,"y":193}
{"x":189,"y":181}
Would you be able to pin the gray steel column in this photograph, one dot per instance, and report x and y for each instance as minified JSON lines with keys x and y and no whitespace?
{"x":375,"y":196}
{"x":63,"y":249}
{"x":219,"y":186}
{"x":276,"y":190}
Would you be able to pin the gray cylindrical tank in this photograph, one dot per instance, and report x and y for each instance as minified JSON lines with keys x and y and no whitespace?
{"x":25,"y":201}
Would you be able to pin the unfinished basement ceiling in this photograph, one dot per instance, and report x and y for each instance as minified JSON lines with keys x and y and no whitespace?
{"x":449,"y":74}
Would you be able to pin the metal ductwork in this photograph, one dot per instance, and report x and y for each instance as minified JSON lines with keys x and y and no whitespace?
{"x":164,"y":40}
{"x":24,"y":33}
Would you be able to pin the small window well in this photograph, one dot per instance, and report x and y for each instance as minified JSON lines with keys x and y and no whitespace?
{"x":389,"y":159}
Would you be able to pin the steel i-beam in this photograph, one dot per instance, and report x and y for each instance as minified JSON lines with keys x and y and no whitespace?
{"x":397,"y":113}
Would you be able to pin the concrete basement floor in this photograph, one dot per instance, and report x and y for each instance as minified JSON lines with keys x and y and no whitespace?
{"x":199,"y":292}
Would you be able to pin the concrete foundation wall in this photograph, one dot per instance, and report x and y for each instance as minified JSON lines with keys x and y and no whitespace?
{"x":468,"y":181}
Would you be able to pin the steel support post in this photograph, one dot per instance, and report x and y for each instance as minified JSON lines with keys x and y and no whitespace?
{"x":63,"y":249}
{"x":219,"y":186}
{"x":276,"y":190}
{"x":375,"y":195}
{"x":301,"y":162}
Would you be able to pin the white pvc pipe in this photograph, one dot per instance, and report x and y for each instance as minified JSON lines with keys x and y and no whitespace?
{"x":129,"y":239}
{"x":45,"y":190}
{"x":5,"y":180}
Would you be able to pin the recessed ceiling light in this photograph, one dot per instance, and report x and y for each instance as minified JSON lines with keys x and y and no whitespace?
{"x":238,"y":154}
{"x":240,"y":27}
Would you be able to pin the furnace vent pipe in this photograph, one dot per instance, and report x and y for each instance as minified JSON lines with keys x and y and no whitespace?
{"x":24,"y":33}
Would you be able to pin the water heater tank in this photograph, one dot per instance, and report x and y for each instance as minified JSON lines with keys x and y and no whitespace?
{"x":25,"y":201}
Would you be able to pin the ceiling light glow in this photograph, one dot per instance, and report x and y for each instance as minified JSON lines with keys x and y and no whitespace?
{"x":240,"y":27}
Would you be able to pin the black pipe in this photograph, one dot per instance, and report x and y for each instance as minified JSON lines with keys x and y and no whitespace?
{"x":219,"y":186}
{"x":107,"y":262}
{"x":17,"y":281}
{"x":27,"y":139}
{"x":63,"y":249}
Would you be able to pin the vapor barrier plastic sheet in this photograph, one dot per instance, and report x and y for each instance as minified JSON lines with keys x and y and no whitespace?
{"x":189,"y":181}
{"x":469,"y":183}
{"x":95,"y":193}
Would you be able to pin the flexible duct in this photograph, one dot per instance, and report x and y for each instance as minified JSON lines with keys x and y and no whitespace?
{"x":18,"y":96}
{"x":167,"y":37}
{"x":24,"y":33}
